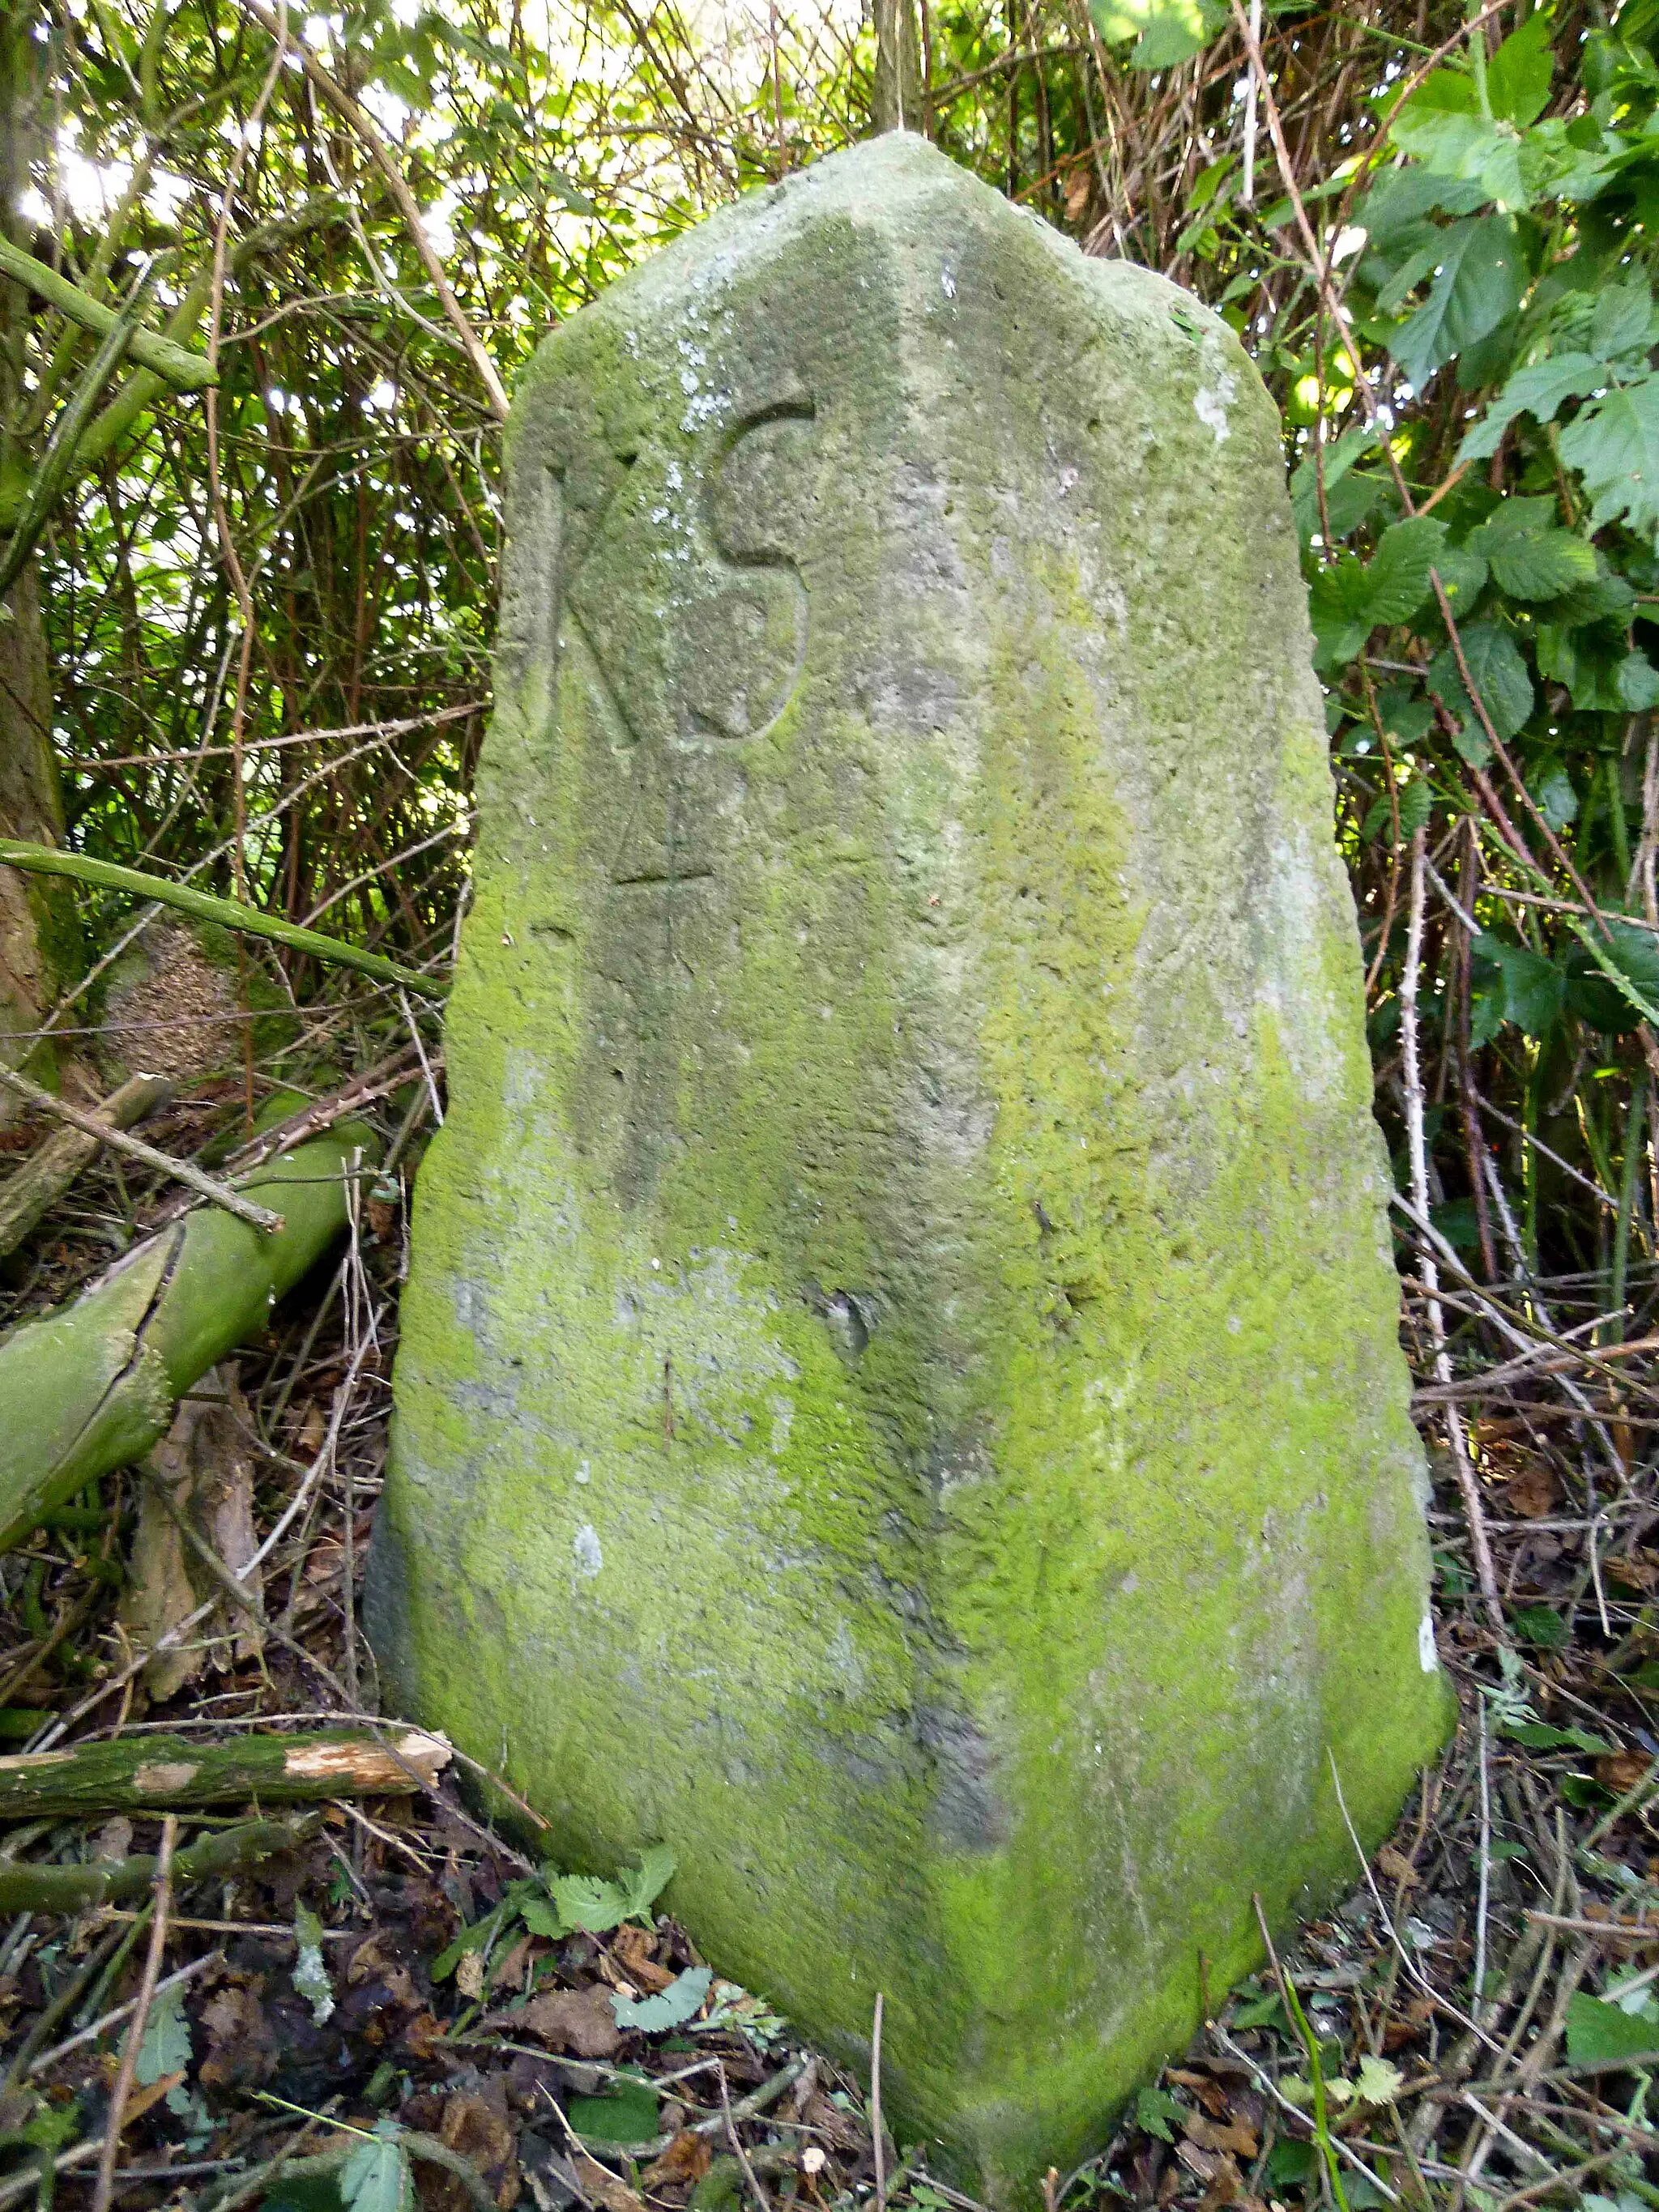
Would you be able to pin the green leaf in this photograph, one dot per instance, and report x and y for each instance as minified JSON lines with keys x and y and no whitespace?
{"x":165,"y":2047}
{"x":1157,"y":2110}
{"x":1598,"y":2032}
{"x":644,"y":1884}
{"x":585,"y":1902}
{"x":1541,"y":390}
{"x":1538,"y":1735}
{"x":1397,"y":575}
{"x":672,"y":2008}
{"x":1536,"y":1624}
{"x":628,"y":2116}
{"x":1614,"y":446}
{"x":1166,"y":32}
{"x":1535,"y":991}
{"x":1497,"y":672}
{"x":1597,"y":996}
{"x":1637,"y":681}
{"x":376,"y":2176}
{"x":1377,"y":2082}
{"x":1530,"y":557}
{"x":1518,"y":75}
{"x":1480,"y":282}
{"x":1623,"y":317}
{"x":542,"y":1917}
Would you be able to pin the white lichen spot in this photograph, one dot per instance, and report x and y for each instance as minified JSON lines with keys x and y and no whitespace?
{"x":688,"y":381}
{"x":584,"y":1473}
{"x":1234,"y":1324}
{"x":585,"y":1549}
{"x":947,"y":284}
{"x":1427,"y":1658}
{"x":1214,"y":398}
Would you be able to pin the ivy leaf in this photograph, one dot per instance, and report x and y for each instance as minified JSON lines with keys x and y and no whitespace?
{"x":671,"y":2008}
{"x":1479,"y":284}
{"x":1497,"y":672}
{"x":1614,"y":446}
{"x":1518,"y":75}
{"x":376,"y":2176}
{"x":1541,"y":390}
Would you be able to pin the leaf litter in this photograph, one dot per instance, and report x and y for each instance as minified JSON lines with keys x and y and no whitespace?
{"x":401,"y":2010}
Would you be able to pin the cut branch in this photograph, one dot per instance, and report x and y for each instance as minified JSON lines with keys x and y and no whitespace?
{"x":103,"y":1132}
{"x":161,"y":1772}
{"x":206,"y":906}
{"x":92,"y":1385}
{"x":43,"y":1179}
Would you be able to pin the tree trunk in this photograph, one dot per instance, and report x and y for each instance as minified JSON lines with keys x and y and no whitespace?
{"x":895,"y":100}
{"x":37,"y":922}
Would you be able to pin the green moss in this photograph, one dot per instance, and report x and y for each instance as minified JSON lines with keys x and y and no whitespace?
{"x":899,"y":1393}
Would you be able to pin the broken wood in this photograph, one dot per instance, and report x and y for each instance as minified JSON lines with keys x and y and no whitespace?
{"x":92,"y":1385}
{"x":48,"y":1172}
{"x":204,"y":1186}
{"x":157,"y":1773}
{"x":27,"y":1889}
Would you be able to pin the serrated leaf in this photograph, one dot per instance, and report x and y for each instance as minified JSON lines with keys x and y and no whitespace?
{"x":1541,"y":390}
{"x":165,"y":2048}
{"x":1534,"y":995}
{"x":1377,"y":2082}
{"x":585,"y":1902}
{"x":1598,"y":2033}
{"x":1166,"y":32}
{"x":1637,"y":681}
{"x":671,"y":2008}
{"x":1614,"y":446}
{"x":1528,"y":555}
{"x":376,"y":2176}
{"x":1612,"y":981}
{"x":1497,"y":672}
{"x":1157,"y":2110}
{"x":542,"y":1918}
{"x":645,"y":1883}
{"x":1397,"y":575}
{"x":1518,"y":75}
{"x":1480,"y":282}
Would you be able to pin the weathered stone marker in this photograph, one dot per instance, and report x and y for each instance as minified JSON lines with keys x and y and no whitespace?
{"x":899,"y":1395}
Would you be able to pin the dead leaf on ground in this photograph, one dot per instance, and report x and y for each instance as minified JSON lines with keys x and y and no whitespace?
{"x":1215,"y":2134}
{"x":472,"y":2126}
{"x":597,"y":2184}
{"x":581,"y":2021}
{"x":635,"y":1951}
{"x":242,"y":2047}
{"x":1396,"y":1865}
{"x":1530,"y":1493}
{"x":687,"y":2158}
{"x":1209,"y":2093}
{"x":1226,"y":2187}
{"x":1621,"y":1770}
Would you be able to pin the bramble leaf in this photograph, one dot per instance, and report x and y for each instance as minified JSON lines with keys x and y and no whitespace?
{"x":1614,"y":446}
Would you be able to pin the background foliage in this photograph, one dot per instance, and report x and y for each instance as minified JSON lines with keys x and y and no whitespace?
{"x":268,"y":609}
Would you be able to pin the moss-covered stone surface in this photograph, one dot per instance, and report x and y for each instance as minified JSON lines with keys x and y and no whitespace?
{"x":899,"y":1395}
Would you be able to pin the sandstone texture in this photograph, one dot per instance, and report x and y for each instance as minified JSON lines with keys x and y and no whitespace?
{"x":900,"y":1396}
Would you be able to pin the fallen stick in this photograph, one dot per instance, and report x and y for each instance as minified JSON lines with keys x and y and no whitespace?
{"x":28,"y":1888}
{"x":47,"y":1174}
{"x":151,"y":1773}
{"x":135,"y":1148}
{"x":92,"y":1385}
{"x":228,"y":912}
